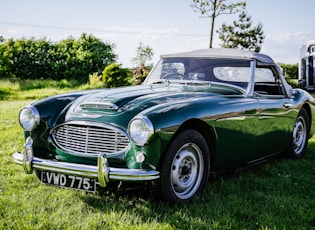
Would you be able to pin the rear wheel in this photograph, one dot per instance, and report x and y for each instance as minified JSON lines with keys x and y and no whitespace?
{"x":185,"y":168}
{"x":299,"y":139}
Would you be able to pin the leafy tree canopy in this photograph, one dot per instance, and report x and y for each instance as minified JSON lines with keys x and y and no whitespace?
{"x":143,"y":54}
{"x":242,"y":34}
{"x":142,"y":69}
{"x":214,"y":8}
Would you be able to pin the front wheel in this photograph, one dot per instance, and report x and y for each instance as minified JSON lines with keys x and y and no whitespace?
{"x":300,"y":134}
{"x":185,"y":167}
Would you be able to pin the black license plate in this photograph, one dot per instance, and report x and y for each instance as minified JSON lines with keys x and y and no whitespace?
{"x":68,"y":181}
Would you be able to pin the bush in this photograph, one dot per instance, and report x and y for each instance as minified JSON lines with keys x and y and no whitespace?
{"x":95,"y":80}
{"x":114,"y":76}
{"x":290,"y":71}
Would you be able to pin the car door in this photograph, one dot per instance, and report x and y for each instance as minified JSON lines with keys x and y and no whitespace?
{"x":236,"y":132}
{"x":235,"y":124}
{"x":275,"y":116}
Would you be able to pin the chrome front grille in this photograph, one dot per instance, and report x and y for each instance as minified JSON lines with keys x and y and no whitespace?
{"x":89,"y":138}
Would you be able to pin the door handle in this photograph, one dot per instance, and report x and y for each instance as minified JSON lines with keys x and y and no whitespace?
{"x":287,"y":105}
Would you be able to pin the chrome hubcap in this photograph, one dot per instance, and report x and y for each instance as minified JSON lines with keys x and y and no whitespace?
{"x":299,"y":135}
{"x":187,"y":170}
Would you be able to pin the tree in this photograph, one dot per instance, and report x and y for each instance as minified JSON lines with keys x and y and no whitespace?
{"x":144,"y":54}
{"x":214,"y":8}
{"x":242,"y":34}
{"x":77,"y":58}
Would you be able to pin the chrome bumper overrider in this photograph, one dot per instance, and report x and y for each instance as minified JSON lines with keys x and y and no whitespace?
{"x":102,"y":171}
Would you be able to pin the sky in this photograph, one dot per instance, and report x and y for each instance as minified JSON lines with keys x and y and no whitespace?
{"x":166,"y":26}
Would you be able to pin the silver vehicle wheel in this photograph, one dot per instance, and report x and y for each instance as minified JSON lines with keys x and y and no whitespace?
{"x":184,"y":169}
{"x":299,"y":135}
{"x":299,"y":139}
{"x":187,"y":171}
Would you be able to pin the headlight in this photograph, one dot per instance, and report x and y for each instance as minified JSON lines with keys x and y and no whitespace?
{"x":29,"y":118}
{"x":140,"y":130}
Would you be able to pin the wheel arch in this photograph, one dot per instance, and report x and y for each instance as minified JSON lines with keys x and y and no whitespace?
{"x":309,"y":113}
{"x":205,"y":130}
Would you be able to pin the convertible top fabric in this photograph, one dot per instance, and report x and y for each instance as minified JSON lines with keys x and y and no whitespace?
{"x":234,"y":54}
{"x":224,"y":53}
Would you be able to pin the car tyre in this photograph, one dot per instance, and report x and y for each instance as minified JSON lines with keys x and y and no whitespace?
{"x":185,"y":168}
{"x":300,"y":134}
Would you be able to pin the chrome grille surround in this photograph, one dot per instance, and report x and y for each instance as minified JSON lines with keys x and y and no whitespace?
{"x":89,"y":138}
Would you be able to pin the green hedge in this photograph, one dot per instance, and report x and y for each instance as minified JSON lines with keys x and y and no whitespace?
{"x":290,"y":71}
{"x":68,"y":59}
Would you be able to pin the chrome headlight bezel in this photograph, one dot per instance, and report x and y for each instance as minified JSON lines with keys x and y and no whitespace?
{"x":140,"y":130}
{"x":29,"y":118}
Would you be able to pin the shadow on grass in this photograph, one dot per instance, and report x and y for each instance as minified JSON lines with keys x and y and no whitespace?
{"x":277,"y":194}
{"x":4,"y":94}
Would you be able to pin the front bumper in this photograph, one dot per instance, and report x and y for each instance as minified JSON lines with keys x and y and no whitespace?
{"x":102,"y":171}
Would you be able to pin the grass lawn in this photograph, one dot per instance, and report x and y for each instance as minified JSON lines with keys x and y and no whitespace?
{"x":276,"y":195}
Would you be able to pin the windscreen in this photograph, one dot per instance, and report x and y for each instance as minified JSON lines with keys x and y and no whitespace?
{"x":228,"y":71}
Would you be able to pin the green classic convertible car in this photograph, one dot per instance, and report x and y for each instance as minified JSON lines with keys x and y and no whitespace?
{"x":197,"y":113}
